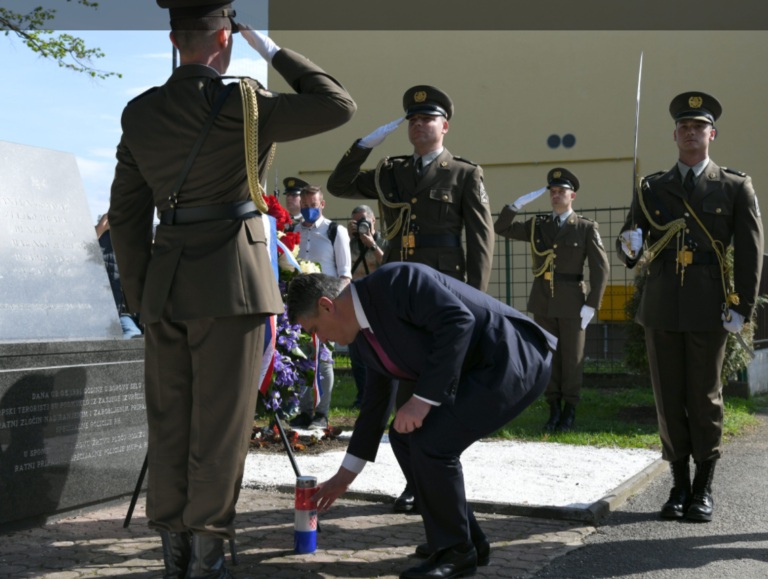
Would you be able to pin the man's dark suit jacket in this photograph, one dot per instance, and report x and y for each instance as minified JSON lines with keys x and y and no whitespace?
{"x":465,"y":349}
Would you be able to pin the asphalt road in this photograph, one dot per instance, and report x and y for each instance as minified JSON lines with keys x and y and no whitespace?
{"x":635,"y":543}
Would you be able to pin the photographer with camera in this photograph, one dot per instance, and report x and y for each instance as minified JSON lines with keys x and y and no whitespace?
{"x":365,"y":242}
{"x":366,"y":251}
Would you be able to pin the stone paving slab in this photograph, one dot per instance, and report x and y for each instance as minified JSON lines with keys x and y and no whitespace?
{"x":358,"y":540}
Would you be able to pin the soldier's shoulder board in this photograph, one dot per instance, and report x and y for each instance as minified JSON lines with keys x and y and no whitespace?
{"x":463,"y":160}
{"x":588,"y":220}
{"x":656,"y":174}
{"x":142,"y":95}
{"x":734,"y":172}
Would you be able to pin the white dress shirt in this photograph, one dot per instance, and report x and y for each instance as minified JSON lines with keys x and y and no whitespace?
{"x":316,"y":246}
{"x":562,"y":217}
{"x":698,"y":169}
{"x":427,"y":159}
{"x":352,"y":462}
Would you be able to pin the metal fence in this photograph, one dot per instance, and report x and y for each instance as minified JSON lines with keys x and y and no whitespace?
{"x":511,"y":280}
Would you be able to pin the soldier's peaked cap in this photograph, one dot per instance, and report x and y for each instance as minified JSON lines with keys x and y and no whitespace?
{"x":294,"y":185}
{"x":427,"y":100}
{"x":187,"y":9}
{"x":695,"y":105}
{"x":559,"y":177}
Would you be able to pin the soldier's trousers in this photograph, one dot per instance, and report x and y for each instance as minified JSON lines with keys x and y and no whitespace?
{"x":685,"y":373}
{"x":568,"y":362}
{"x":201,"y":389}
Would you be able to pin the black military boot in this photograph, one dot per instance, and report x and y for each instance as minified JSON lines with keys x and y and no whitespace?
{"x":177,"y":549}
{"x":567,"y":419}
{"x":554,"y":416}
{"x":680,"y":495}
{"x":701,"y":503}
{"x":207,"y":560}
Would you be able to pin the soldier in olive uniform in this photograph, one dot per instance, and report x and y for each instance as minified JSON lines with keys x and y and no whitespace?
{"x":429,"y":196}
{"x":293,"y":187}
{"x":561,"y":242}
{"x":688,"y":306}
{"x":206,"y":286}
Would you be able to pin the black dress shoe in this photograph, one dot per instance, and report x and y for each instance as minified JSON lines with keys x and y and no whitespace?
{"x":177,"y":550}
{"x":406,"y":502}
{"x":483,"y":548}
{"x":554,"y":416}
{"x":701,"y":506}
{"x":207,"y":560}
{"x":567,"y":419}
{"x":445,"y":564}
{"x":303,"y":420}
{"x":680,"y":495}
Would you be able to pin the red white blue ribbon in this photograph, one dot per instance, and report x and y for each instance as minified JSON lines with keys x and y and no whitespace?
{"x":268,"y":359}
{"x":317,"y":389}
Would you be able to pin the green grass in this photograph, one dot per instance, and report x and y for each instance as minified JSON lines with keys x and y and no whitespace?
{"x":598,"y":417}
{"x":341,"y":361}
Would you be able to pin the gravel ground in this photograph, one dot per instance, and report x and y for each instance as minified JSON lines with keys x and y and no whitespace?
{"x":533,"y":473}
{"x":634,"y":543}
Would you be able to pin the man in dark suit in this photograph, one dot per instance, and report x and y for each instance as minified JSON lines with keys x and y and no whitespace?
{"x":206,"y":286}
{"x":477,"y":364}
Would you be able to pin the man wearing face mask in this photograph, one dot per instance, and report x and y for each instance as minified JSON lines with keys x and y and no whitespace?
{"x":293,"y":187}
{"x":561,"y":242}
{"x":433,"y":195}
{"x":323,"y":242}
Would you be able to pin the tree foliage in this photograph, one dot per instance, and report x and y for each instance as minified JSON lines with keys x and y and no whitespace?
{"x":68,"y":51}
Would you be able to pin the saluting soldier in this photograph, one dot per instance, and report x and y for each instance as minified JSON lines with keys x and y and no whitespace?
{"x":205,"y":288}
{"x":561,"y":242}
{"x":688,"y":305}
{"x":427,"y":199}
{"x":293,"y":187}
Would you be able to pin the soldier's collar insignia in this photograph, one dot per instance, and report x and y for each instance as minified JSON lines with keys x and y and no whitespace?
{"x":695,"y":102}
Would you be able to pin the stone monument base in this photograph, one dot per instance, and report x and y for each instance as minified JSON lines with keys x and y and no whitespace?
{"x":73,"y":427}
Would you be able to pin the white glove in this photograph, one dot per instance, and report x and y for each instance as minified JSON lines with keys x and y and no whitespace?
{"x":734,"y":326}
{"x":587,"y":313}
{"x":377,"y":137}
{"x":525,"y":199}
{"x":260,"y":43}
{"x":632,"y":240}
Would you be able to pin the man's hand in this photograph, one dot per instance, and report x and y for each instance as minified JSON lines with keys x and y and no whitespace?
{"x":411,"y":416}
{"x":366,"y":238}
{"x":332,"y":489}
{"x":525,"y":199}
{"x":632,"y":242}
{"x":377,"y":137}
{"x":734,"y":324}
{"x":260,"y":43}
{"x":587,"y":313}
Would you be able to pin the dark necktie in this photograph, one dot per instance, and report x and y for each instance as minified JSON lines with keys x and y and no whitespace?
{"x":419,"y":168}
{"x":688,"y":184}
{"x":388,"y":364}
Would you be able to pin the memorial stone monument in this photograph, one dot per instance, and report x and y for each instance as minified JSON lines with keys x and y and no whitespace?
{"x":72,"y":414}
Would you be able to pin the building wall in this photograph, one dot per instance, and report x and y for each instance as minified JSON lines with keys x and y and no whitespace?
{"x":512,"y":90}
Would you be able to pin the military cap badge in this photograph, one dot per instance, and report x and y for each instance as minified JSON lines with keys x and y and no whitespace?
{"x":291,"y":183}
{"x":695,"y":102}
{"x":420,"y":96}
{"x":557,"y":174}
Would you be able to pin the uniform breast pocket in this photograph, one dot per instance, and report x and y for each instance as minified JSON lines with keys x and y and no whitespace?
{"x":441,"y":203}
{"x":572,"y":245}
{"x":718,"y":216}
{"x":255,"y":230}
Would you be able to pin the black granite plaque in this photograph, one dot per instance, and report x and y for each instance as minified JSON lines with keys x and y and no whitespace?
{"x":53,"y":283}
{"x":72,"y":425}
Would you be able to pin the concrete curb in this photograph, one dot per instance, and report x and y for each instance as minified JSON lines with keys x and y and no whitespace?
{"x":594,"y":514}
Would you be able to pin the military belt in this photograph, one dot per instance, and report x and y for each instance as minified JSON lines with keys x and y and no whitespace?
{"x":690,"y":257}
{"x":433,"y":241}
{"x":564,"y":276}
{"x":217,"y":212}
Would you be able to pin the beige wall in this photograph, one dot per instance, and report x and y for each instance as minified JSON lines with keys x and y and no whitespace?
{"x":512,"y":90}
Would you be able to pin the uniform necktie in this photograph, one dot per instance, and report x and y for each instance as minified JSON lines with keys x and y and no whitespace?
{"x":559,"y":221}
{"x":419,"y":168}
{"x":688,"y":184}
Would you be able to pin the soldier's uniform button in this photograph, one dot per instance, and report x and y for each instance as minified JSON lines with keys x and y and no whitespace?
{"x":414,"y":200}
{"x":413,"y":217}
{"x":687,"y":230}
{"x":555,"y":246}
{"x":538,"y":241}
{"x":458,"y":268}
{"x":718,"y":210}
{"x":687,"y":214}
{"x":554,"y":256}
{"x":445,"y":198}
{"x":390,"y":195}
{"x":575,"y":244}
{"x":410,"y":252}
{"x":658,"y":212}
{"x":406,"y":165}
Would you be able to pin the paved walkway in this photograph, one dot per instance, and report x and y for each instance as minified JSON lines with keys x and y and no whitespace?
{"x":358,"y":540}
{"x":635,"y":544}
